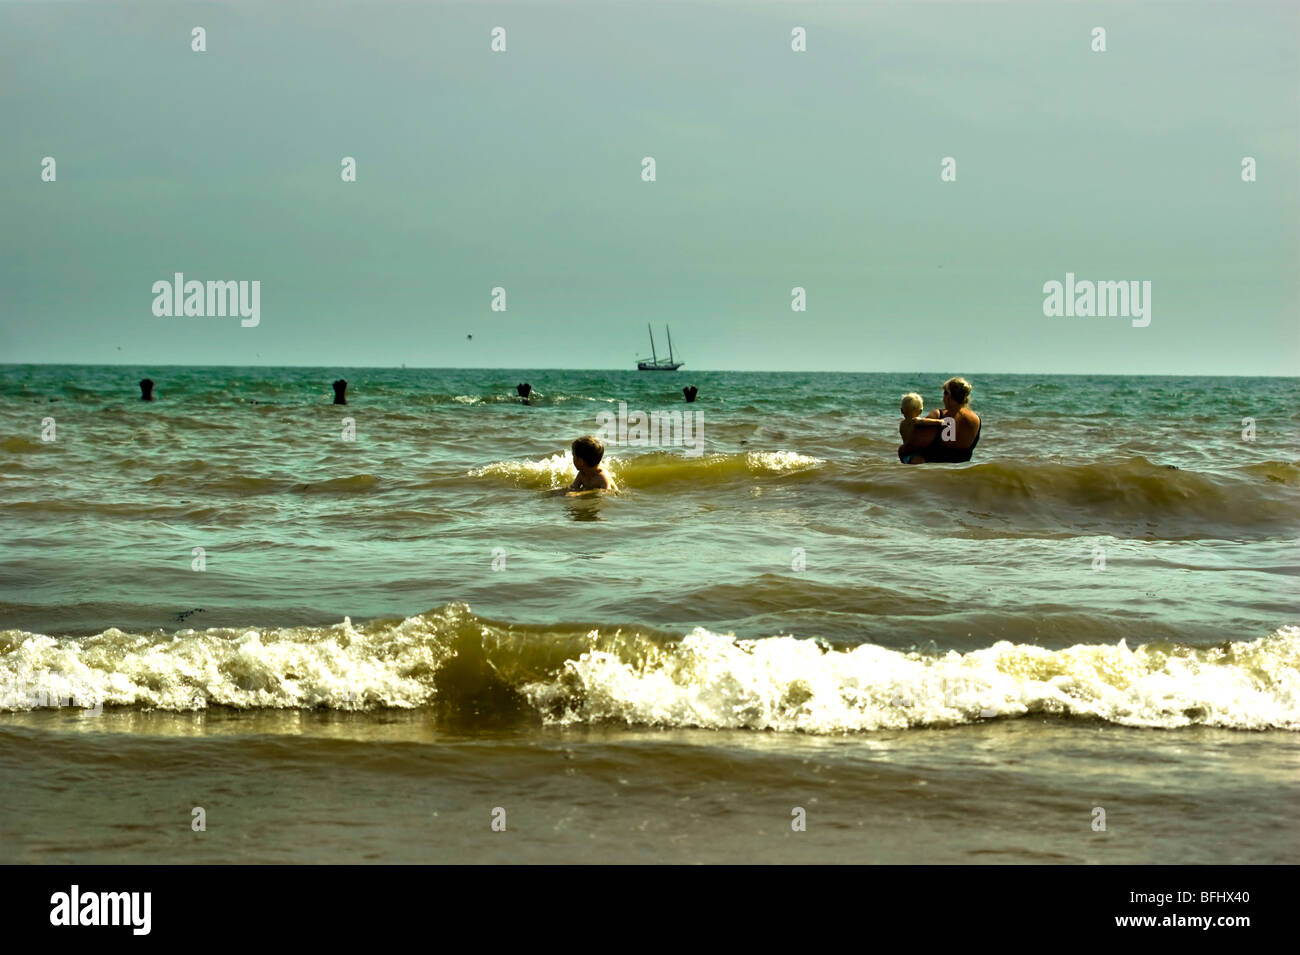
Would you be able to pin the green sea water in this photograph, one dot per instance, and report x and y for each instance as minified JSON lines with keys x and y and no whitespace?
{"x":241,"y":571}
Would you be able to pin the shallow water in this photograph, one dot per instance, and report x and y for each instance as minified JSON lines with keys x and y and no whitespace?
{"x":764,"y":609}
{"x":309,"y":787}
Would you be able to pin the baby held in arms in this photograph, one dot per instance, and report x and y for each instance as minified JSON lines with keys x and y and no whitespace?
{"x":587,"y":453}
{"x":917,"y":432}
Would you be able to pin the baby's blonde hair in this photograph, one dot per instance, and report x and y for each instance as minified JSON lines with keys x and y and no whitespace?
{"x":912,"y":400}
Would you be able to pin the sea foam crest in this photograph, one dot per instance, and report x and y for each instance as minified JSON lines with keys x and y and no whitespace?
{"x":452,"y":659}
{"x":554,"y":471}
{"x":785,"y":684}
{"x":652,"y":468}
{"x":341,"y":667}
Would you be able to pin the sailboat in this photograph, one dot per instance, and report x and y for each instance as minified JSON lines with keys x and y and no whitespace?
{"x":656,"y":363}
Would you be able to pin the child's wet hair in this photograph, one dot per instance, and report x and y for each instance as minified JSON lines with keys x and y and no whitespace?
{"x":912,"y":400}
{"x":589,"y":449}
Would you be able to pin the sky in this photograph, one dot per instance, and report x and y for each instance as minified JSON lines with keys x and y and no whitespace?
{"x":774,"y":169}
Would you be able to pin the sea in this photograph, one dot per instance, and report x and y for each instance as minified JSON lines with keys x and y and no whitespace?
{"x":243,"y":624}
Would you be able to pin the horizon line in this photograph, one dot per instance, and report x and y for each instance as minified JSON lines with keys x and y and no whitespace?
{"x":755,"y":371}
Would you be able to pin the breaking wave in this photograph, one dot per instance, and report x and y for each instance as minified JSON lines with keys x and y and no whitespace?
{"x":460,"y":665}
{"x":655,"y":468}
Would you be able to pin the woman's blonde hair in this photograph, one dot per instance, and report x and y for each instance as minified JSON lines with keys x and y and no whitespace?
{"x":960,"y":390}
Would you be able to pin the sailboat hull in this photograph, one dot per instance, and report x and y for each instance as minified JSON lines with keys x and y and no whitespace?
{"x":661,"y":366}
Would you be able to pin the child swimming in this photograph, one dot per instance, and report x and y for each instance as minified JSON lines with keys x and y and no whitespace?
{"x":587,"y":453}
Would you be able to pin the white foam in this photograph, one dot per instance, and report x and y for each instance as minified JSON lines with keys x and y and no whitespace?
{"x":785,"y":684}
{"x":704,"y":680}
{"x":555,"y":471}
{"x":340,"y":667}
{"x":779,"y":461}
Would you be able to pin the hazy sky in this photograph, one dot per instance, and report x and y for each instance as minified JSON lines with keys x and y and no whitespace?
{"x":774,"y":168}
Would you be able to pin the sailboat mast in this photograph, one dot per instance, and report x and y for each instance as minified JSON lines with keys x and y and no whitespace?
{"x":653,"y":355}
{"x":670,"y":343}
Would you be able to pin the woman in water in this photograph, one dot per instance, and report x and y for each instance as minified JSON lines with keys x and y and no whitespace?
{"x":956,"y":398}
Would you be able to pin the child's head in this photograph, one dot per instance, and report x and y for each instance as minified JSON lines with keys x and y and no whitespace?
{"x":587,"y":452}
{"x":912,"y":405}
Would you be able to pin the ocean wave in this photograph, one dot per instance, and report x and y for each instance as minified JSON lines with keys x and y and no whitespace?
{"x":352,"y":484}
{"x":238,"y":484}
{"x":464,"y":666}
{"x":1280,"y":472}
{"x":1132,"y":490}
{"x":652,"y":469}
{"x":18,"y":444}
